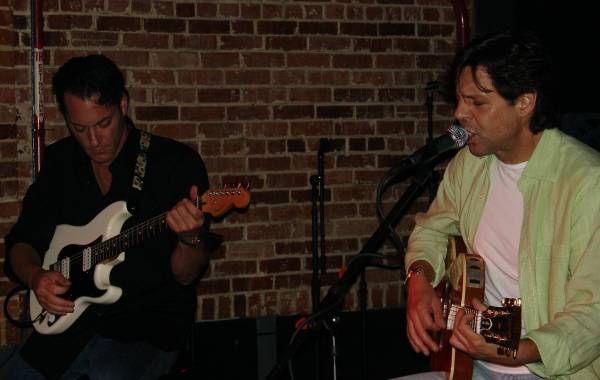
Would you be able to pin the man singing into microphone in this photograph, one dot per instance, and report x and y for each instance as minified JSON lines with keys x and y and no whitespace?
{"x":524,"y":196}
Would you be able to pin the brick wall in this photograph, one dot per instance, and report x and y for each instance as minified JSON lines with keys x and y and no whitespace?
{"x":253,"y":85}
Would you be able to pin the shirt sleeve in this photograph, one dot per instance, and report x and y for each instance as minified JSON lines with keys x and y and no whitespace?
{"x":38,"y":218}
{"x":570,"y":341}
{"x":429,"y":239}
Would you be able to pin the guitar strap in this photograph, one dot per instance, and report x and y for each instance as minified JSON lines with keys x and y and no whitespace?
{"x":139,"y":171}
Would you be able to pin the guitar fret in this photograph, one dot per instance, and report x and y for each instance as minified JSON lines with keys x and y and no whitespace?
{"x":475,"y":323}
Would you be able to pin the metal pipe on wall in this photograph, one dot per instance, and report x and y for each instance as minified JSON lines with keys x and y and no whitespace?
{"x":463,"y":29}
{"x":37,"y":87}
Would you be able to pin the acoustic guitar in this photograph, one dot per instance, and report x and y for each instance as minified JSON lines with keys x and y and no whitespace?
{"x":465,"y":280}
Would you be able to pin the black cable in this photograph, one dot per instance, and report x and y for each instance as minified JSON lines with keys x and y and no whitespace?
{"x":9,"y":295}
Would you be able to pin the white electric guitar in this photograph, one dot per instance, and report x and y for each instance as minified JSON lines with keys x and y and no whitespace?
{"x":85,"y":255}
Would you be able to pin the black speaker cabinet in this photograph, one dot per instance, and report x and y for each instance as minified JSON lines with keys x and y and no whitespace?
{"x":249,"y":349}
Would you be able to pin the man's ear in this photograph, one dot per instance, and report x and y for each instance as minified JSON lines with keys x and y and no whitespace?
{"x":124,"y":104}
{"x":526,"y":103}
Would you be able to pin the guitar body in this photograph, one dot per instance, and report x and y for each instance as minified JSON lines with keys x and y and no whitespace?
{"x":465,"y":281}
{"x":86,"y":255}
{"x":89,"y":283}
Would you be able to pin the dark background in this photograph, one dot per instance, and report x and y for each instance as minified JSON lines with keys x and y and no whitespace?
{"x":570,"y":29}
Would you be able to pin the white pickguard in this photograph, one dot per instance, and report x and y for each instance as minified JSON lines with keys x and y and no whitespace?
{"x":107,"y":224}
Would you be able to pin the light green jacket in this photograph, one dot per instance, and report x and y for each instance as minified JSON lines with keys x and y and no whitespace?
{"x":559,"y":251}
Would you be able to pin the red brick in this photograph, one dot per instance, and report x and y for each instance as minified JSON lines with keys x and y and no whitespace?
{"x":271,"y":129}
{"x":334,"y":112}
{"x":174,"y":59}
{"x":118,"y":23}
{"x":288,"y":77}
{"x":434,"y":30}
{"x":353,"y":95}
{"x":71,"y":5}
{"x":264,"y":95}
{"x":229,"y":10}
{"x":202,"y":113}
{"x":314,"y":27}
{"x":195,"y":42}
{"x":308,"y":60}
{"x":276,"y":27}
{"x":163,"y":8}
{"x":313,"y":11}
{"x":314,"y":128}
{"x":271,"y":197}
{"x":156,"y":113}
{"x":272,"y":11}
{"x":248,"y":113}
{"x":208,"y":309}
{"x":287,"y":180}
{"x":358,"y":29}
{"x":293,"y":12}
{"x":93,"y":5}
{"x":375,"y":112}
{"x":242,"y":27}
{"x":355,"y":12}
{"x":185,"y":10}
{"x":160,"y":25}
{"x":294,"y":112}
{"x":241,"y":42}
{"x":156,"y":77}
{"x":69,"y":22}
{"x":173,"y":96}
{"x":200,"y":77}
{"x":269,"y":163}
{"x":396,"y":94}
{"x":245,"y":284}
{"x":312,"y":95}
{"x":250,"y":11}
{"x":220,"y":59}
{"x":329,"y":43}
{"x":263,"y":59}
{"x":234,"y":268}
{"x":286,"y":43}
{"x":433,"y":61}
{"x":280,"y":265}
{"x":396,"y":29}
{"x":206,"y":9}
{"x":94,"y":38}
{"x":145,"y":41}
{"x":251,"y":77}
{"x":209,"y":26}
{"x":333,"y":78}
{"x":218,"y":95}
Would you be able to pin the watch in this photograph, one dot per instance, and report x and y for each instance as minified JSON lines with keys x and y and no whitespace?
{"x":414,"y":271}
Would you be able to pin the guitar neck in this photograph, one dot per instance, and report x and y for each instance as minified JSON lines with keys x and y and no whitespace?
{"x":475,"y":323}
{"x":110,"y":248}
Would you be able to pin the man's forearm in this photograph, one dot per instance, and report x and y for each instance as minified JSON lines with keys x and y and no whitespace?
{"x":25,"y":263}
{"x":188,"y":262}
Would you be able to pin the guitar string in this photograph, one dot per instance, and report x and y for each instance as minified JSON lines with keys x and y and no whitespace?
{"x":76,"y":258}
{"x":117,"y":244}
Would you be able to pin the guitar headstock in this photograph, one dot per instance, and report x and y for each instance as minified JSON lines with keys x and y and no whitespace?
{"x":217,"y":202}
{"x":502,"y":326}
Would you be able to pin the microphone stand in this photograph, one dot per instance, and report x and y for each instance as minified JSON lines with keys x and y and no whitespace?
{"x":318,"y":244}
{"x":333,"y":302}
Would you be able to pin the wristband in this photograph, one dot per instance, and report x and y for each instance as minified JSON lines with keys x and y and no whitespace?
{"x":414,"y":271}
{"x":193,"y":243}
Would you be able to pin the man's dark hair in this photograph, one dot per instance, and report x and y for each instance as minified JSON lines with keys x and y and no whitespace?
{"x":89,"y":76}
{"x":517,"y":62}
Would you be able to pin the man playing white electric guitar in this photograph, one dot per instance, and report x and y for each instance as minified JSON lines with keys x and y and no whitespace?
{"x":145,"y":320}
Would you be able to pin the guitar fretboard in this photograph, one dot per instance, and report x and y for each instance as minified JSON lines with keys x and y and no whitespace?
{"x":475,"y":323}
{"x":110,"y":248}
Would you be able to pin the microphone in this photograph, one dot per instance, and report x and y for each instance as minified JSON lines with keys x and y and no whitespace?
{"x":455,"y":137}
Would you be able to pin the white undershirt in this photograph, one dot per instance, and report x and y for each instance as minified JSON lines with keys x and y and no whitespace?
{"x":497,"y":241}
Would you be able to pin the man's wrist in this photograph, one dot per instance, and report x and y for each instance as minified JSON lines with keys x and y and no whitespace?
{"x":419,"y":269}
{"x":193,"y":242}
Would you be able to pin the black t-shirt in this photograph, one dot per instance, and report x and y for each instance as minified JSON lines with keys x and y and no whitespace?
{"x":153,"y":307}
